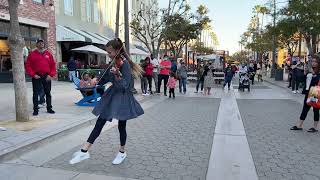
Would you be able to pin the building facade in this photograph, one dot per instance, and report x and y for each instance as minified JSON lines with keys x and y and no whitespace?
{"x":37,"y":20}
{"x":84,"y":22}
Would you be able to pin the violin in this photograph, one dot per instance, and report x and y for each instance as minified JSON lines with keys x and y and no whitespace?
{"x":116,"y":68}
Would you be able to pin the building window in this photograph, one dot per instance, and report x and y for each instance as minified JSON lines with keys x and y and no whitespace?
{"x":88,"y":10}
{"x":68,"y":7}
{"x":38,"y":1}
{"x":96,"y":13}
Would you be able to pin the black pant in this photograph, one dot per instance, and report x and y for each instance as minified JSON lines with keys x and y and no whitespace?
{"x":149,"y":78}
{"x":200,"y":81}
{"x":306,"y":109}
{"x":37,"y":85}
{"x":296,"y":83}
{"x":165,"y":78}
{"x":171,"y":91}
{"x":290,"y":79}
{"x":98,"y":128}
{"x":227,"y":81}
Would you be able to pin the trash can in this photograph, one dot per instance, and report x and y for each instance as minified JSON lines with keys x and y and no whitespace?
{"x":279,"y":75}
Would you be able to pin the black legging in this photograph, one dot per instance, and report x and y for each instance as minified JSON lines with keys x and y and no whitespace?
{"x":98,"y":128}
{"x":306,"y":109}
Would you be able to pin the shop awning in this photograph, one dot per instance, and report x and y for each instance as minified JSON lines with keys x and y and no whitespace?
{"x":104,"y":37}
{"x":105,"y":41}
{"x":65,"y":34}
{"x":90,"y":48}
{"x":87,"y":35}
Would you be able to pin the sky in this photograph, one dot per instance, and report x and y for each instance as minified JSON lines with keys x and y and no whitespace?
{"x":230,"y":18}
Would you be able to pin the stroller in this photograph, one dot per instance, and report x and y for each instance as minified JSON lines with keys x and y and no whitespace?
{"x":244,"y":82}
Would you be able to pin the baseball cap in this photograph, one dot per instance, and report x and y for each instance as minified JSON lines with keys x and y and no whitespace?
{"x":40,"y":40}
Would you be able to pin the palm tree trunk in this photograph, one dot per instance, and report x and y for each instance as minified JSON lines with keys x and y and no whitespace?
{"x":16,"y":44}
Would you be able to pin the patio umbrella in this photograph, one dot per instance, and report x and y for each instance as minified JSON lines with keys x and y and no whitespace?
{"x":90,"y":48}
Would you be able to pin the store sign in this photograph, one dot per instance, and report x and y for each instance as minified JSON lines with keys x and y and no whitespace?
{"x":4,"y":7}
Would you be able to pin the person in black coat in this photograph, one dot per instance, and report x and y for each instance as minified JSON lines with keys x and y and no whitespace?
{"x":314,"y":81}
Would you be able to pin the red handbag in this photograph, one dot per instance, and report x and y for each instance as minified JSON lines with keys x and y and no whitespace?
{"x":313,"y":99}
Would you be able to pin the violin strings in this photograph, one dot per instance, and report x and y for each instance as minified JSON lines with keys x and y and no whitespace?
{"x":111,"y":64}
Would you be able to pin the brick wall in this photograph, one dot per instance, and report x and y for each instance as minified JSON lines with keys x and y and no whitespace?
{"x":40,"y":12}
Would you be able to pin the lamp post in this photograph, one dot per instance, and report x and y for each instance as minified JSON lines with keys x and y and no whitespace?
{"x":274,"y":38}
{"x":127,"y":40}
{"x":274,"y":48}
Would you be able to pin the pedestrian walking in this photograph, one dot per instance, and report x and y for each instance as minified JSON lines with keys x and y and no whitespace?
{"x":314,"y":81}
{"x":182,"y":75}
{"x":118,"y":101}
{"x":72,"y":67}
{"x":259,"y":72}
{"x":41,"y":66}
{"x":208,"y":79}
{"x":143,"y":78}
{"x":155,"y":63}
{"x":228,"y":75}
{"x":172,"y":85}
{"x":165,"y":67}
{"x":252,"y":72}
{"x":297,"y":76}
{"x":200,"y":77}
{"x":289,"y":67}
{"x":149,"y":73}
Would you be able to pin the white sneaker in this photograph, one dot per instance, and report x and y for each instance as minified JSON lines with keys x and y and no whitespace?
{"x":42,"y":105}
{"x":147,"y":94}
{"x":119,"y":158}
{"x":79,"y":156}
{"x":294,"y":92}
{"x":298,"y":91}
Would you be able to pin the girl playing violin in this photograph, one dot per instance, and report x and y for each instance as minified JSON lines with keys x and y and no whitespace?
{"x":117,"y":102}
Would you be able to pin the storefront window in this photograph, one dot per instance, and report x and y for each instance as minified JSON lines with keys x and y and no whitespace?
{"x":88,"y":10}
{"x":38,"y":1}
{"x":5,"y":28}
{"x":96,"y":12}
{"x":68,"y":7}
{"x":36,"y":33}
{"x":25,"y":31}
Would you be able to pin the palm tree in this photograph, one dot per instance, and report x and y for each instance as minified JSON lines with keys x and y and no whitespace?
{"x":263,"y":10}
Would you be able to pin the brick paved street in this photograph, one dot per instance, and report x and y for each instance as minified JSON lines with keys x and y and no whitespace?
{"x":230,"y":135}
{"x":279,"y":153}
{"x":171,"y":141}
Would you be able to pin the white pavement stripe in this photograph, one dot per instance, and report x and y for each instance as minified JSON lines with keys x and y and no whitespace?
{"x":230,"y":157}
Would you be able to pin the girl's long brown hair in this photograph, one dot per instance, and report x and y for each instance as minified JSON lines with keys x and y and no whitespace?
{"x":117,"y":44}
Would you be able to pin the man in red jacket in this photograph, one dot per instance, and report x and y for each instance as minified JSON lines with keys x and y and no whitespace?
{"x":41,"y":66}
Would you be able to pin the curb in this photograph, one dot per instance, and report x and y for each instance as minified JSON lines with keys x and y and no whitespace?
{"x":16,"y":150}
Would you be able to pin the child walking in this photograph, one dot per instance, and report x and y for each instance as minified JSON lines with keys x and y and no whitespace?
{"x":171,"y":85}
{"x":118,"y":101}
